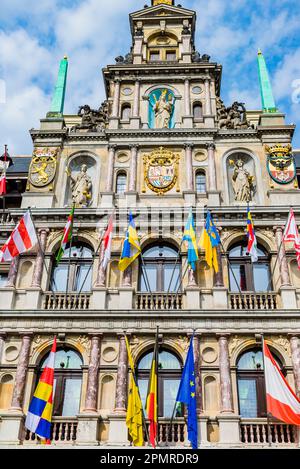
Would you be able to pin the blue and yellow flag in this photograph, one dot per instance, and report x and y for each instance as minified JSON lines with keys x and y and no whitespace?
{"x":209,"y":241}
{"x":131,"y":246}
{"x":189,"y":235}
{"x":187,"y":395}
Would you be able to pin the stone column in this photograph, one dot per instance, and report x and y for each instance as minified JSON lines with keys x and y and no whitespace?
{"x":116,"y":100}
{"x":207,"y":97}
{"x":136,"y":101}
{"x":295,"y":351}
{"x":121,"y":384}
{"x":101,"y":273}
{"x":20,"y":381}
{"x":39,"y":261}
{"x":225,"y":378}
{"x":13,"y":272}
{"x":282,"y":261}
{"x":189,"y":166}
{"x":198,"y":373}
{"x":187,"y":104}
{"x":92,"y":382}
{"x":133,"y":167}
{"x":212,"y":184}
{"x":2,"y":342}
{"x":110,"y":169}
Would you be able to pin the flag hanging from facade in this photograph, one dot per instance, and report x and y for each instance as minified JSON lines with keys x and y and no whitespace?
{"x":151,"y":403}
{"x":282,"y":402}
{"x":22,"y":239}
{"x":187,"y":395}
{"x":209,"y":241}
{"x":252,"y":243}
{"x":107,"y":242}
{"x":3,"y":167}
{"x":189,"y":236}
{"x":39,"y":414}
{"x":131,"y":246}
{"x":291,"y":234}
{"x":134,"y":414}
{"x":67,"y":235}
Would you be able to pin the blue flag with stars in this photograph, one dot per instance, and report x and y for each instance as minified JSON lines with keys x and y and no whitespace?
{"x":187,"y":395}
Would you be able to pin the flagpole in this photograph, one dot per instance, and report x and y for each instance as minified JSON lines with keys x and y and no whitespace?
{"x":275,"y":265}
{"x":142,"y":408}
{"x":268,"y":415}
{"x":3,"y":200}
{"x":43,"y":257}
{"x":157,"y":367}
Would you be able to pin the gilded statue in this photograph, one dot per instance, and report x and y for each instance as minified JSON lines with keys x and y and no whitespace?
{"x":81,"y":187}
{"x":242,"y":182}
{"x":163,"y":109}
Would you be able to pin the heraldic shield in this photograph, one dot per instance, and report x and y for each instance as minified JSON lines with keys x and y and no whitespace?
{"x":161,"y":170}
{"x":281,"y":163}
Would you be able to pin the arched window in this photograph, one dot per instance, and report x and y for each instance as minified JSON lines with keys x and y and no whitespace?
{"x":197,"y":110}
{"x":159,"y":264}
{"x":248,"y":275}
{"x":200,"y":182}
{"x":126,"y":111}
{"x":251,"y":385}
{"x":74,"y":269}
{"x":121,"y":183}
{"x":169,"y":375}
{"x":67,"y":381}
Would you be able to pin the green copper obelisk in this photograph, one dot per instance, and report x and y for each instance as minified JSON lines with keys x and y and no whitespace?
{"x":267,"y":99}
{"x":58,"y":100}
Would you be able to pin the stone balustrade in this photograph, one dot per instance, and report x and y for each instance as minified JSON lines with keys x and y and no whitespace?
{"x":255,"y":432}
{"x":253,"y":301}
{"x":66,"y":301}
{"x":168,"y":434}
{"x":63,"y":431}
{"x":158,"y":301}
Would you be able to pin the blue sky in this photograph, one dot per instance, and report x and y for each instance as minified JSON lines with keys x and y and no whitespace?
{"x":34,"y":36}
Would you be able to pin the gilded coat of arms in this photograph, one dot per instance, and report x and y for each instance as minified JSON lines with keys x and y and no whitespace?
{"x":43,"y":166}
{"x":281,"y":163}
{"x":161,"y":170}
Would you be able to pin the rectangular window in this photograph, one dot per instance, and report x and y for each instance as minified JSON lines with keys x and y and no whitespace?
{"x":170,"y":394}
{"x":149,"y":274}
{"x":248,"y":398}
{"x":3,"y":279}
{"x":154,"y":56}
{"x":171,"y":55}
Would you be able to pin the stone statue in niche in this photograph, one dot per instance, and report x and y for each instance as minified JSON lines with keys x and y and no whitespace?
{"x":81,"y":187}
{"x":242,"y":182}
{"x":163,"y":109}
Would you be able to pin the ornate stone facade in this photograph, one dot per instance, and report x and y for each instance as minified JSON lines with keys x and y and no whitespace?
{"x":162,"y":142}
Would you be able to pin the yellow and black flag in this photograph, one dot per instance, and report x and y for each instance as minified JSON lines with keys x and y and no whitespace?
{"x":134,"y":415}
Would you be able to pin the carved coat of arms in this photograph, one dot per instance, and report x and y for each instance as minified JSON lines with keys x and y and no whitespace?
{"x":43,"y":166}
{"x":281,"y":163}
{"x":161,"y":170}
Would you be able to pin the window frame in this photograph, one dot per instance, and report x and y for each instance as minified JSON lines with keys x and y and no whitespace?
{"x":200,"y":172}
{"x":121,"y":173}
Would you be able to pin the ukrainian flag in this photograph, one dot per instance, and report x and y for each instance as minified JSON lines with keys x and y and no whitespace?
{"x":39,"y":415}
{"x":131,"y":246}
{"x":209,"y":241}
{"x":189,"y":235}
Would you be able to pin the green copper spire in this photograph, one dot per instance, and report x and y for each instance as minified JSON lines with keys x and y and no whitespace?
{"x":58,"y":100}
{"x":267,"y":99}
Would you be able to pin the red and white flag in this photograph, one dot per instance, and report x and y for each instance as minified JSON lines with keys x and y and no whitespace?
{"x":282,"y":402}
{"x":107,"y":242}
{"x":22,"y":239}
{"x":291,"y":234}
{"x":3,"y":167}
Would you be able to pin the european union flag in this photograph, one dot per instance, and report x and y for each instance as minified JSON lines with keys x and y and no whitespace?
{"x":187,"y":395}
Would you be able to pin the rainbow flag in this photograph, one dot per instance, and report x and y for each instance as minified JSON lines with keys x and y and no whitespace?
{"x":39,"y":414}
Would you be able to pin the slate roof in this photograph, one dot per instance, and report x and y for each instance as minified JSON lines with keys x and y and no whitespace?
{"x":20,"y":165}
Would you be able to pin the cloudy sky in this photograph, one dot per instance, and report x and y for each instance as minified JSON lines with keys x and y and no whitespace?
{"x":35,"y":35}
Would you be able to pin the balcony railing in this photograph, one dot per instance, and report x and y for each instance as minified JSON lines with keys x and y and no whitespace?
{"x":256,"y":433}
{"x":170,"y":435}
{"x":158,"y":301}
{"x":253,"y":301}
{"x":67,"y":301}
{"x":63,"y":431}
